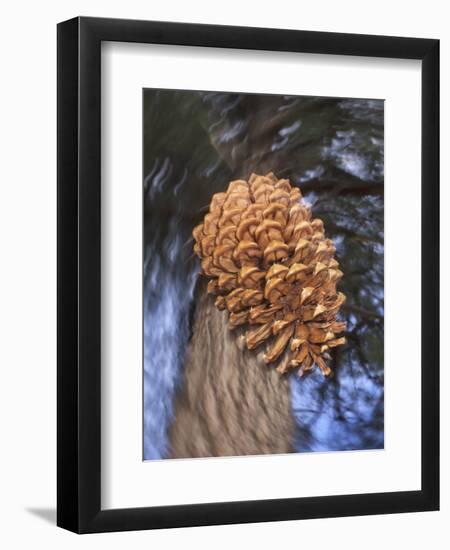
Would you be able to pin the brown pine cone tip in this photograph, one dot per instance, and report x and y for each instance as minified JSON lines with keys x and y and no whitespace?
{"x":271,"y":266}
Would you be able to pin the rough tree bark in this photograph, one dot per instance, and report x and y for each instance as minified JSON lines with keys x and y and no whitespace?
{"x":229,"y":402}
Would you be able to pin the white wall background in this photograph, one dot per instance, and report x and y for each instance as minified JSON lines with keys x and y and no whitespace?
{"x":28,"y":270}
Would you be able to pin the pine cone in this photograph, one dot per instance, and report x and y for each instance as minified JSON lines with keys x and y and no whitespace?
{"x":272,"y":268}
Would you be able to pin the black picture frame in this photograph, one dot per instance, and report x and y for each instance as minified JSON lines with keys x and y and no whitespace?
{"x":79,"y":281}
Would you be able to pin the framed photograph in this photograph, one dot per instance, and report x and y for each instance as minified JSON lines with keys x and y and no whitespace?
{"x":248,"y":259}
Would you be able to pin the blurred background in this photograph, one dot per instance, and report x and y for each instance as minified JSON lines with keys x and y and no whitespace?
{"x":333,"y":149}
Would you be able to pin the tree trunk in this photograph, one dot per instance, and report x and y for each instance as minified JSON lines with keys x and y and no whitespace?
{"x":229,"y":403}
